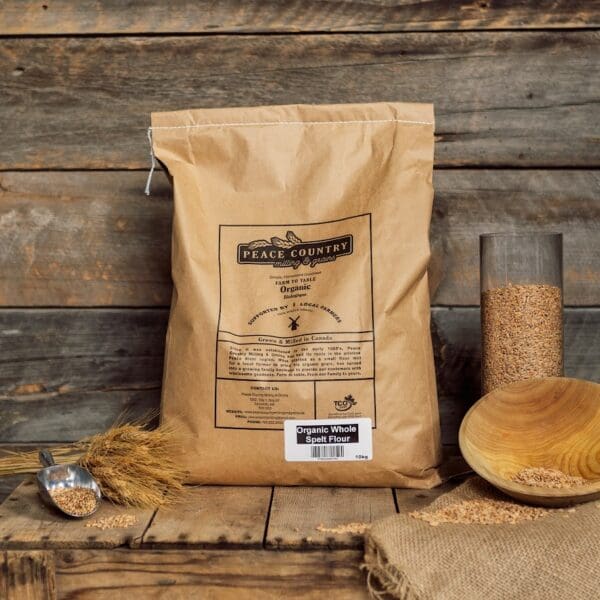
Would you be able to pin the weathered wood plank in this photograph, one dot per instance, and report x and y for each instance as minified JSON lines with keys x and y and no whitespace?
{"x":469,"y":203}
{"x":54,"y":350}
{"x":78,"y":238}
{"x":20,"y":17}
{"x":92,"y":365}
{"x":71,"y":416}
{"x":222,"y":574}
{"x":27,"y":575}
{"x":212,"y":516}
{"x":8,"y":483}
{"x":298,"y":514}
{"x":85,"y":102}
{"x":26,"y":522}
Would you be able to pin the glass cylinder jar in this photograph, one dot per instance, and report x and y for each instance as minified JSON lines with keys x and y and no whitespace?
{"x":521,"y":307}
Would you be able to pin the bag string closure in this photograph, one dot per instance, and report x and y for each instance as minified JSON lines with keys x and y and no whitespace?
{"x":152,"y":163}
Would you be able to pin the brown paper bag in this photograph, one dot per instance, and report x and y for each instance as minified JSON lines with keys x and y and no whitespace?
{"x":298,"y":348}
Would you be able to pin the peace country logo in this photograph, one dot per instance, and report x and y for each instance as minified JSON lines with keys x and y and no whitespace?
{"x":293,"y":252}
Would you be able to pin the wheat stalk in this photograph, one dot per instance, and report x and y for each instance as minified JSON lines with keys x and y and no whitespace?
{"x":17,"y":463}
{"x":133,"y":465}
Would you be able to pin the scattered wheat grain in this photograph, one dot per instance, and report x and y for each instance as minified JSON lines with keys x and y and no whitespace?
{"x":483,"y":512}
{"x":115,"y":522}
{"x":354,"y":528}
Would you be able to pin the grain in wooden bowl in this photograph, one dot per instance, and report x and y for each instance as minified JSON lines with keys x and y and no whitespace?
{"x":551,"y":478}
{"x":546,"y":428}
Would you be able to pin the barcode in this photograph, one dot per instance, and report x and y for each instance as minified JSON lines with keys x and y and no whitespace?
{"x":327,"y":451}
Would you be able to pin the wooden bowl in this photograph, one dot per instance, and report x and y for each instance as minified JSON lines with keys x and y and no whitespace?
{"x":552,"y":423}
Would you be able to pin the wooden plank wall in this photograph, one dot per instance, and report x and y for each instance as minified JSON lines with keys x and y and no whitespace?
{"x":84,"y":255}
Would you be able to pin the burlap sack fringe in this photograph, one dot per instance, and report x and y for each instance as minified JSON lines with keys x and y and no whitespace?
{"x":551,"y":557}
{"x":385,"y":579}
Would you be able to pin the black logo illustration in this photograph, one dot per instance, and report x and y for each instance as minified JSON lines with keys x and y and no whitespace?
{"x":346,"y":404}
{"x":293,"y":252}
{"x":294,"y":323}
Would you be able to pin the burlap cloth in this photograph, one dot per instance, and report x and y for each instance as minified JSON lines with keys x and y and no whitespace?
{"x":554,"y":557}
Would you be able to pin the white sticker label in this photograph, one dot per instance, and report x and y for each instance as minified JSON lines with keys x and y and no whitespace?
{"x":328,"y":439}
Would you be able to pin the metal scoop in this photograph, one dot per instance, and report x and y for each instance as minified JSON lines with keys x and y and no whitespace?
{"x":59,"y":477}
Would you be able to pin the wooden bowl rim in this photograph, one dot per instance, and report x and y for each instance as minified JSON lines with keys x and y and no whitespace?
{"x":508,"y":485}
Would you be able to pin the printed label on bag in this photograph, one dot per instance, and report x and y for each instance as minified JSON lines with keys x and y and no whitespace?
{"x":295,"y":333}
{"x":328,"y":439}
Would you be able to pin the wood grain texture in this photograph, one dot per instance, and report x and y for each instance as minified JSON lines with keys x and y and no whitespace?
{"x":298,"y":512}
{"x":213,"y":516}
{"x":8,"y":484}
{"x":79,"y":371}
{"x":222,"y":574}
{"x":71,"y":416}
{"x":234,"y":16}
{"x":78,"y":238}
{"x":67,"y":351}
{"x":93,"y":365}
{"x":27,"y":575}
{"x":85,"y":102}
{"x":26,"y":522}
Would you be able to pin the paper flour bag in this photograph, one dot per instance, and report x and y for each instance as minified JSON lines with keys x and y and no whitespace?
{"x":298,"y":348}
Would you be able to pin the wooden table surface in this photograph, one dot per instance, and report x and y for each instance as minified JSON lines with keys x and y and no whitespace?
{"x":221,"y":541}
